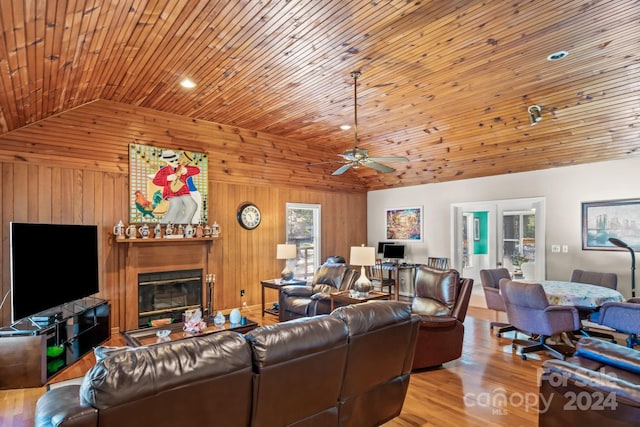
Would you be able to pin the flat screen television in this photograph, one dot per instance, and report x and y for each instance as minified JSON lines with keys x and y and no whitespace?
{"x":393,"y":251}
{"x":381,"y":246}
{"x":51,"y":264}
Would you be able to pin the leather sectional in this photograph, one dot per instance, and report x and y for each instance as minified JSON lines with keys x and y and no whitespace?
{"x":349,"y":368}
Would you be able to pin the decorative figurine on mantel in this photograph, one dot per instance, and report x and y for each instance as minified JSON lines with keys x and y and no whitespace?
{"x":215,"y":229}
{"x":118,"y":230}
{"x":157,"y":231}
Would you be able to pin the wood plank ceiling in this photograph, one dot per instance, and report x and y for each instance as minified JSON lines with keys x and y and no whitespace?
{"x":446,"y":83}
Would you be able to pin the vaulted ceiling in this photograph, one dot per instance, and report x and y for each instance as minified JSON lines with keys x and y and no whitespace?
{"x":445,"y":83}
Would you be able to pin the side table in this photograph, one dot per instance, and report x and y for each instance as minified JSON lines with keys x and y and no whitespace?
{"x":276,"y":284}
{"x":345,"y":297}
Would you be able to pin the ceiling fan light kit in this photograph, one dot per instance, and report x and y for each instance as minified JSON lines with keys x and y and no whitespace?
{"x":356,"y":157}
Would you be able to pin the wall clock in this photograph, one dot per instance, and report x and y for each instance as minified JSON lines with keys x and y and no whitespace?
{"x":249,"y":216}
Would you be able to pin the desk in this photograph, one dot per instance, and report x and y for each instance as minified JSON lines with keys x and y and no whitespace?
{"x":394,"y":269}
{"x":578,"y":294}
{"x":276,"y":284}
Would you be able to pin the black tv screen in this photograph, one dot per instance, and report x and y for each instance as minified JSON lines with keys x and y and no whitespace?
{"x":381,"y":246}
{"x":393,"y":251}
{"x":51,"y":264}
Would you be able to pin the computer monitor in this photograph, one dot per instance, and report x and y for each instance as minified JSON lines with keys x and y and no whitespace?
{"x":381,"y":246}
{"x":393,"y":251}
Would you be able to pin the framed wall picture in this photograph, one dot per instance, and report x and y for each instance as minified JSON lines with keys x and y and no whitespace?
{"x":613,"y":218}
{"x":404,"y":224}
{"x":167,"y":185}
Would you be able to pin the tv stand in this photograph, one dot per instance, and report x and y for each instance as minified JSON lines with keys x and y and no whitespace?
{"x":31,"y":353}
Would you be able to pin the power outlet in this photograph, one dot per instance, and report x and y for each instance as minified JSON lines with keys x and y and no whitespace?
{"x":241,"y":292}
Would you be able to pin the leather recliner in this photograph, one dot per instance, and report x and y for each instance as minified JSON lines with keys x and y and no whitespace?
{"x":310,"y":300}
{"x":441,"y":301}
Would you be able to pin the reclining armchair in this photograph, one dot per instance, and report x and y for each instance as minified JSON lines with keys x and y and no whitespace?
{"x":441,"y":301}
{"x":310,"y":300}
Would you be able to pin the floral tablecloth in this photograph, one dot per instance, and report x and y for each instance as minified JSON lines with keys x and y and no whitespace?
{"x":578,"y":294}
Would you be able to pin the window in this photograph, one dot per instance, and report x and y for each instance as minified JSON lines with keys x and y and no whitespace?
{"x":519,"y":236}
{"x":303,"y":230}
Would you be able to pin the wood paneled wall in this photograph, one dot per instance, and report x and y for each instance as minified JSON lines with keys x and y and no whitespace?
{"x":73,"y":168}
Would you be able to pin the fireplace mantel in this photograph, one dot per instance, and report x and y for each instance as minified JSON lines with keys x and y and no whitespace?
{"x":156,"y":255}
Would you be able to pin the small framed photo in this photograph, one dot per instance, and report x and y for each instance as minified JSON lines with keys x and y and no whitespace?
{"x":404,"y":224}
{"x":618,"y":219}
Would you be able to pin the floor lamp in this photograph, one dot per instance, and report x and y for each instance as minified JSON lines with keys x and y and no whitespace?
{"x":619,"y":243}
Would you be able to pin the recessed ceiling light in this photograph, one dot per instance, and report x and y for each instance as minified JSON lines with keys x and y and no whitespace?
{"x":558,"y":55}
{"x":187,"y":84}
{"x":345,"y":127}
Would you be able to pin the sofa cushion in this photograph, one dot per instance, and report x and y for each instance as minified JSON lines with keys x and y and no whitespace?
{"x":330,"y":274}
{"x":436,"y":291}
{"x":600,"y":351}
{"x":124,"y":376}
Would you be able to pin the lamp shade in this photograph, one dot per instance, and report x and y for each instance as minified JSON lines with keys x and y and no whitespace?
{"x":286,"y":251}
{"x":363,"y":255}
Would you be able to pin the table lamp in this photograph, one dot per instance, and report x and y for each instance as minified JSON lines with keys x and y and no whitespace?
{"x":619,"y":243}
{"x":363,"y":256}
{"x":286,"y":252}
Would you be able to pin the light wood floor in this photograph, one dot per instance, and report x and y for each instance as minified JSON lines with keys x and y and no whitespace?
{"x":466,"y":392}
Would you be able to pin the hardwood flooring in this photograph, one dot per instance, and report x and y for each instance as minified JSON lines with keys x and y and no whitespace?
{"x":488,"y":386}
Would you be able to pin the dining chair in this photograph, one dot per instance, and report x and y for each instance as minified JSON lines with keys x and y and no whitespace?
{"x":440,"y":263}
{"x":490,"y":278}
{"x":623,"y":317}
{"x":607,"y":280}
{"x":378,"y":279}
{"x":529,"y":311}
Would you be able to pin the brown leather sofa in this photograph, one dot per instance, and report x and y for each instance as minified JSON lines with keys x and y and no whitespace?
{"x":319,"y":370}
{"x":598,"y":386}
{"x":441,"y":301}
{"x":311,"y":300}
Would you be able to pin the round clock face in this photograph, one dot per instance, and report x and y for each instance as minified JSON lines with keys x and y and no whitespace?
{"x":249,"y":216}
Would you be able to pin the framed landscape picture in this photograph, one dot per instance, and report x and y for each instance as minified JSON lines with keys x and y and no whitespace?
{"x":602,"y":220}
{"x":404,"y":224}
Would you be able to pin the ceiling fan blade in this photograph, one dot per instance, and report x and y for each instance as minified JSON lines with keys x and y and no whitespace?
{"x":342,"y":169}
{"x":323,"y":163}
{"x":388,"y":159}
{"x":378,"y":166}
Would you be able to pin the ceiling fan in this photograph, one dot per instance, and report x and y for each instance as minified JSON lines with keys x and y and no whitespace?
{"x":356,"y":157}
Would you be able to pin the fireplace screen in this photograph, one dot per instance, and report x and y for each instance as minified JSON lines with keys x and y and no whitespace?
{"x":168,"y":294}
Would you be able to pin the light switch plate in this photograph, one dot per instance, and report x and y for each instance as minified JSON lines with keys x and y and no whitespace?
{"x":565,"y":249}
{"x":555,"y":248}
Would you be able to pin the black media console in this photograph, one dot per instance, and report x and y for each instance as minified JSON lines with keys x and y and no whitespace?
{"x":34,"y":349}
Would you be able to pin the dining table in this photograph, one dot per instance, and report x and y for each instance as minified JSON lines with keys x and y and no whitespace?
{"x":581,"y":295}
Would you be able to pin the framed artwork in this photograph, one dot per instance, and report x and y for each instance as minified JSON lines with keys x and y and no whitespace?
{"x":613,"y":218}
{"x":167,"y":186}
{"x":476,"y":229}
{"x":404,"y":224}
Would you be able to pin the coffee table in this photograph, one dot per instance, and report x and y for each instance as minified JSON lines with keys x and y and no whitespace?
{"x":148,"y":336}
{"x":345,"y":297}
